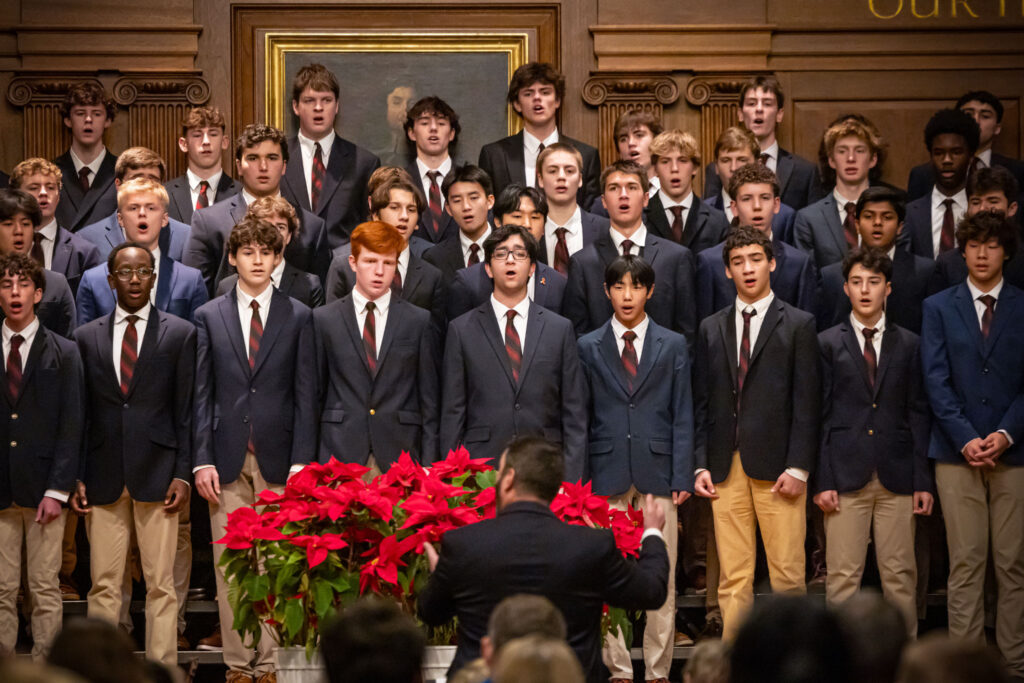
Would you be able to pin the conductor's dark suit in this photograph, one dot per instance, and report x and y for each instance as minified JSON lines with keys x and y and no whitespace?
{"x":473,"y":286}
{"x":179,"y":195}
{"x":704,"y":226}
{"x":799,"y":180}
{"x":78,"y":208}
{"x":298,"y":284}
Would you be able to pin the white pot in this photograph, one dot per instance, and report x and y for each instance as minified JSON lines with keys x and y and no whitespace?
{"x":294,"y":667}
{"x":436,"y":660}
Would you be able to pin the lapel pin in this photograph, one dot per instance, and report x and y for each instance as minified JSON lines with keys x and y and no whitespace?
{"x":543,"y":281}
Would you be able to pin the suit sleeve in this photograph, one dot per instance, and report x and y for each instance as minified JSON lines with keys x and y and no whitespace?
{"x":453,"y":392}
{"x":316,"y":292}
{"x":686,"y":298}
{"x":71,"y":423}
{"x":202,"y":398}
{"x":88,"y":256}
{"x":682,"y":422}
{"x":306,"y":418}
{"x":920,"y":422}
{"x":436,"y":603}
{"x":574,"y":304}
{"x":335,"y":287}
{"x":806,"y":399}
{"x":803,"y":233}
{"x":200,"y":252}
{"x":86,"y":302}
{"x":428,"y":382}
{"x":639,"y":585}
{"x":574,"y":410}
{"x":705,"y":280}
{"x":946,"y":405}
{"x":824,"y":478}
{"x":712,"y":183}
{"x":807,"y":298}
{"x":68,"y":316}
{"x":701,"y":393}
{"x":184,"y":378}
{"x":459,"y":298}
{"x":784,"y":229}
{"x":198,"y":297}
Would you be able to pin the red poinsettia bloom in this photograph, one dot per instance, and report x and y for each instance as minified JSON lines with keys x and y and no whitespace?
{"x":317,"y":547}
{"x":486,"y":502}
{"x":458,"y":462}
{"x":406,"y":473}
{"x":344,"y":471}
{"x":244,"y":526}
{"x":384,"y":566}
{"x":577,"y":504}
{"x":628,"y":529}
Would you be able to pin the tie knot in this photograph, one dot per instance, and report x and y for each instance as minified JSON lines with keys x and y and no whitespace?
{"x":132,"y":319}
{"x":474,"y":248}
{"x":869,"y":332}
{"x":370,"y":307}
{"x":317,"y":149}
{"x":748,"y":314}
{"x":37,"y":237}
{"x":16,"y":341}
{"x":764,"y":159}
{"x":850,"y":208}
{"x":254,"y":305}
{"x":629,"y":335}
{"x":511,"y":314}
{"x":561,"y":232}
{"x":433,"y":175}
{"x":84,"y":172}
{"x":948,"y":203}
{"x":204,"y":185}
{"x":627,"y":247}
{"x":676,"y":210}
{"x":988,"y":300}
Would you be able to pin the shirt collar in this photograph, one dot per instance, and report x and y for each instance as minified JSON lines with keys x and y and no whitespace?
{"x":194,"y":180}
{"x":263,"y":299}
{"x":381,"y":303}
{"x":308,"y":145}
{"x":28,"y":333}
{"x":466,"y":242}
{"x":275,"y":275}
{"x":975,"y":292}
{"x":639,"y":237}
{"x":403,"y":257}
{"x":573,"y":225}
{"x":501,"y":310}
{"x":841,"y":201}
{"x":531,"y":143}
{"x":760,"y":306}
{"x":120,"y":315}
{"x":443,"y":169}
{"x":667,"y":202}
{"x":960,"y":198}
{"x":93,"y":165}
{"x":859,"y":327}
{"x":49,"y":231}
{"x":772,"y":151}
{"x":641,"y":328}
{"x":249,"y":198}
{"x":653,"y":186}
{"x":985,"y":156}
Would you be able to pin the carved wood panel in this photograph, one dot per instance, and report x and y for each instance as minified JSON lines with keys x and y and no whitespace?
{"x":616,"y":93}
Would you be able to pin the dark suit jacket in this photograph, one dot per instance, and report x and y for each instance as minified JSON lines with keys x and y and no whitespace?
{"x":447,"y":257}
{"x":298,"y":284}
{"x":798,"y":178}
{"x":142,"y":440}
{"x":56,"y":311}
{"x":41,"y":432}
{"x":782,"y":224}
{"x":650,"y":448}
{"x":778,"y":427}
{"x":425,"y":227}
{"x":869,"y":428}
{"x":526,"y":549}
{"x":975,"y":385}
{"x":484,"y":408}
{"x":76,"y":208}
{"x":704,"y":225}
{"x":385,"y":414}
{"x":916,"y":235}
{"x":72,"y":256}
{"x":343,"y":201}
{"x":179,"y":291}
{"x":472,"y":287}
{"x":275,"y":401}
{"x":912,"y":280}
{"x":180,"y":206}
{"x":504,"y":162}
{"x":107,"y":234}
{"x":922,"y":178}
{"x":673,"y":304}
{"x":819,"y":232}
{"x":594,"y":226}
{"x":211,"y":227}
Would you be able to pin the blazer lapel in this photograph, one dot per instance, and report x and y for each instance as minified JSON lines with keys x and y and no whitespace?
{"x":351,"y":323}
{"x":835,"y":227}
{"x":336,"y":164}
{"x":71,"y":188}
{"x":652,"y":349}
{"x":97,"y":188}
{"x":413,"y":277}
{"x":609,"y":351}
{"x":150,"y":340}
{"x":888,"y":348}
{"x":105,"y":344}
{"x":606,"y":249}
{"x":396,"y":319}
{"x":114,"y":233}
{"x":695,"y":220}
{"x":534,"y":332}
{"x":852,"y":345}
{"x":650,"y":250}
{"x":61,"y":251}
{"x":34,"y":354}
{"x":163,"y":280}
{"x":965,"y":307}
{"x":281,"y":315}
{"x":783,"y":169}
{"x":1006,"y":307}
{"x":514,"y":158}
{"x":294,"y":174}
{"x":233,"y":326}
{"x":288,"y":277}
{"x":656,"y":221}
{"x":772,"y":317}
{"x":489,"y":326}
{"x":181,"y":194}
{"x":727,"y":332}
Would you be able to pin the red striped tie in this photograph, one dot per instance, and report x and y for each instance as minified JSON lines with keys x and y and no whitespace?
{"x":986,"y":316}
{"x":255,"y":333}
{"x":561,"y":251}
{"x":14,"y":367}
{"x":474,"y":255}
{"x":869,"y":353}
{"x":948,"y":234}
{"x":741,"y":373}
{"x":129,"y":353}
{"x":370,"y":338}
{"x":629,"y":360}
{"x":513,"y":346}
{"x":627,"y":247}
{"x":850,"y":225}
{"x":435,"y":201}
{"x":203,"y":200}
{"x":318,"y":176}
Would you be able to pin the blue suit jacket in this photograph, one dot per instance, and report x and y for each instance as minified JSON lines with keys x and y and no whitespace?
{"x":782,"y":224}
{"x":472,"y":287}
{"x":975,"y":385}
{"x":179,"y":291}
{"x":107,"y":234}
{"x":273,"y":403}
{"x":72,"y":256}
{"x":650,"y":448}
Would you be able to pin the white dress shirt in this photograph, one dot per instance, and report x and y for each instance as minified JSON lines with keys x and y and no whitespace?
{"x":195,"y":181}
{"x":468,"y":243}
{"x":985,"y":158}
{"x":573,"y":236}
{"x":522,"y":310}
{"x":727,"y":206}
{"x":156,"y":274}
{"x":773,"y":156}
{"x":403,"y":263}
{"x":275,"y":275}
{"x":425,"y":182}
{"x":876,"y":340}
{"x":939,"y":212}
{"x":307,"y":148}
{"x":641,"y":333}
{"x":653,"y":185}
{"x":380,"y":320}
{"x":639,"y":239}
{"x":94,"y":165}
{"x":841,"y":203}
{"x":245,"y":310}
{"x":531,"y":149}
{"x":668,"y":203}
{"x":121,"y":325}
{"x":49,"y":241}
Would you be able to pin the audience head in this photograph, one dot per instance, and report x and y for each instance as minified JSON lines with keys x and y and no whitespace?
{"x":130,"y":271}
{"x":521,"y":205}
{"x":986,"y":240}
{"x":531,"y":468}
{"x":142,"y":210}
{"x":374,"y":257}
{"x":261,"y":155}
{"x":880,"y":212}
{"x":19,"y":218}
{"x":97,"y":651}
{"x":852,"y":149}
{"x":749,"y":262}
{"x":315,"y":94}
{"x":992,"y":188}
{"x":139,"y":162}
{"x":203,"y":138}
{"x":14,"y":670}
{"x":476,"y":671}
{"x":254,"y":250}
{"x":510,"y":259}
{"x":432,"y":127}
{"x":88,"y":110}
{"x":469,"y":195}
{"x":518,"y":616}
{"x":938,"y":658}
{"x":629,"y":285}
{"x":41,"y":179}
{"x":790,"y":639}
{"x":280,"y":212}
{"x":708,"y":663}
{"x":754,"y":190}
{"x":22,"y":284}
{"x":761,"y":105}
{"x":736,"y":147}
{"x":535,"y":93}
{"x":986,"y":109}
{"x":372,"y":641}
{"x":399,"y":202}
{"x":877,"y":634}
{"x":624,"y":193}
{"x":676,"y":161}
{"x":538,"y":659}
{"x":634,"y":130}
{"x":560,"y":173}
{"x":951,"y":137}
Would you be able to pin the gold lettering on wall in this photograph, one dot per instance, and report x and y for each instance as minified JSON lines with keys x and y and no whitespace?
{"x":919,"y":9}
{"x":966,"y":7}
{"x":874,"y":10}
{"x":933,"y":13}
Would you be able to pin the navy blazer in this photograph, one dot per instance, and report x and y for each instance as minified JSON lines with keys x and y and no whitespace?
{"x":41,"y":431}
{"x":913,"y":278}
{"x":704,"y":227}
{"x":179,"y":195}
{"x":526,"y":549}
{"x":782,"y":223}
{"x":673,"y":304}
{"x":141,"y":440}
{"x":56,"y":311}
{"x":799,"y":180}
{"x":447,"y":257}
{"x":425,"y":227}
{"x":298,"y":284}
{"x":78,"y":208}
{"x":72,"y":256}
{"x":473,"y":286}
{"x":504,"y":162}
{"x":916,"y":236}
{"x":819,"y":232}
{"x":975,"y":385}
{"x":273,"y":403}
{"x":794,"y":279}
{"x":343,"y":201}
{"x":594,"y":226}
{"x":107,"y":234}
{"x":778,"y":427}
{"x":484,"y":407}
{"x":868,"y":428}
{"x":922,"y":177}
{"x":651,"y":448}
{"x":179,"y":291}
{"x":384,"y":414}
{"x":212,"y":226}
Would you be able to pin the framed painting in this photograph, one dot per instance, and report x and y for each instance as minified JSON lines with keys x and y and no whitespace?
{"x":382,"y":73}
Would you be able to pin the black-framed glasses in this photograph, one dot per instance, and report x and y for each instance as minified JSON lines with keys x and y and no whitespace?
{"x":519,"y":254}
{"x":125,"y":274}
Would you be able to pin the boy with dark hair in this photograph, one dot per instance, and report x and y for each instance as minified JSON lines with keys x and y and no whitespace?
{"x":377,"y":363}
{"x":328,"y":174}
{"x":87,"y":111}
{"x":756,"y":409}
{"x":674,"y":210}
{"x":510,"y":365}
{"x":469,"y":195}
{"x":535,"y":93}
{"x":432,"y":128}
{"x":41,"y":432}
{"x":634,"y":130}
{"x":254,"y":403}
{"x":203,"y":141}
{"x":762,"y":105}
{"x":873,"y":469}
{"x":951,"y":138}
{"x":568,"y":227}
{"x":974,"y":373}
{"x":261,"y":158}
{"x":628,"y":361}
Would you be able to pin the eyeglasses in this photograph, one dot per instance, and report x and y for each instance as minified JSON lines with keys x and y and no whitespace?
{"x":519,"y":254}
{"x":125,"y":274}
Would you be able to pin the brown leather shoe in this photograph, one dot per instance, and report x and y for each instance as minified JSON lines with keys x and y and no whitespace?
{"x":68,"y":592}
{"x":237,"y":677}
{"x":657,"y":680}
{"x":183,"y":643}
{"x":266,"y":677}
{"x":620,"y":680}
{"x":212,"y":643}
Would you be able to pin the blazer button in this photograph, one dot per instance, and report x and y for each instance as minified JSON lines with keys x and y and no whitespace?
{"x":984,"y":401}
{"x":871,"y":432}
{"x":984,"y":370}
{"x":14,"y":444}
{"x":517,"y":406}
{"x":372,"y":411}
{"x":245,"y":419}
{"x":631,"y":406}
{"x":125,"y":405}
{"x":14,"y":416}
{"x":629,"y":436}
{"x":253,"y":390}
{"x":874,"y":405}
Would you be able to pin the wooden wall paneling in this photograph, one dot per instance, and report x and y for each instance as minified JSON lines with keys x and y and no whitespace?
{"x":616,"y":93}
{"x":717,"y":97}
{"x":43,"y":131}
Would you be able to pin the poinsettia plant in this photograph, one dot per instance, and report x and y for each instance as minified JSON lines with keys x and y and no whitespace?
{"x":294,"y":558}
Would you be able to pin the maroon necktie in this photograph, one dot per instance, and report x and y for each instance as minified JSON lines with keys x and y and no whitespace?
{"x":561,"y":251}
{"x":474,"y":255}
{"x":396,"y":283}
{"x":129,"y":352}
{"x":435,"y":201}
{"x":946,"y":238}
{"x":318,"y":176}
{"x":764,"y":159}
{"x":370,"y":338}
{"x":14,"y":367}
{"x":629,"y":360}
{"x":83,"y":178}
{"x":850,"y":224}
{"x":677,"y":224}
{"x":627,"y":246}
{"x":513,"y":346}
{"x":203,"y":200}
{"x":255,"y":333}
{"x":986,"y":317}
{"x":744,"y":364}
{"x":869,"y":353}
{"x":37,"y":249}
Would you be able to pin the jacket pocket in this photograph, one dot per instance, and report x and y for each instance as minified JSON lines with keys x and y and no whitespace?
{"x":332,"y":416}
{"x":601,"y":447}
{"x":477,"y":434}
{"x":409,"y":417}
{"x":661,"y":446}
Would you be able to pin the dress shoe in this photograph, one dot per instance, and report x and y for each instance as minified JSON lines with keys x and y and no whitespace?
{"x":68,"y":591}
{"x":712,"y":629}
{"x":197,"y":593}
{"x":682,"y":640}
{"x":237,"y":677}
{"x":266,"y":677}
{"x":183,"y":643}
{"x":212,"y":643}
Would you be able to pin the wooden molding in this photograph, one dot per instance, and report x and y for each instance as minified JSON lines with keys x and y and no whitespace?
{"x":165,"y":88}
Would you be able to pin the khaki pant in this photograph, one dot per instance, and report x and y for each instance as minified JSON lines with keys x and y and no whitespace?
{"x":660,"y":631}
{"x":183,"y":563}
{"x":978,"y":503}
{"x":743,"y":505}
{"x":110,"y":530}
{"x":239,"y":493}
{"x":42,"y":558}
{"x":891,"y":518}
